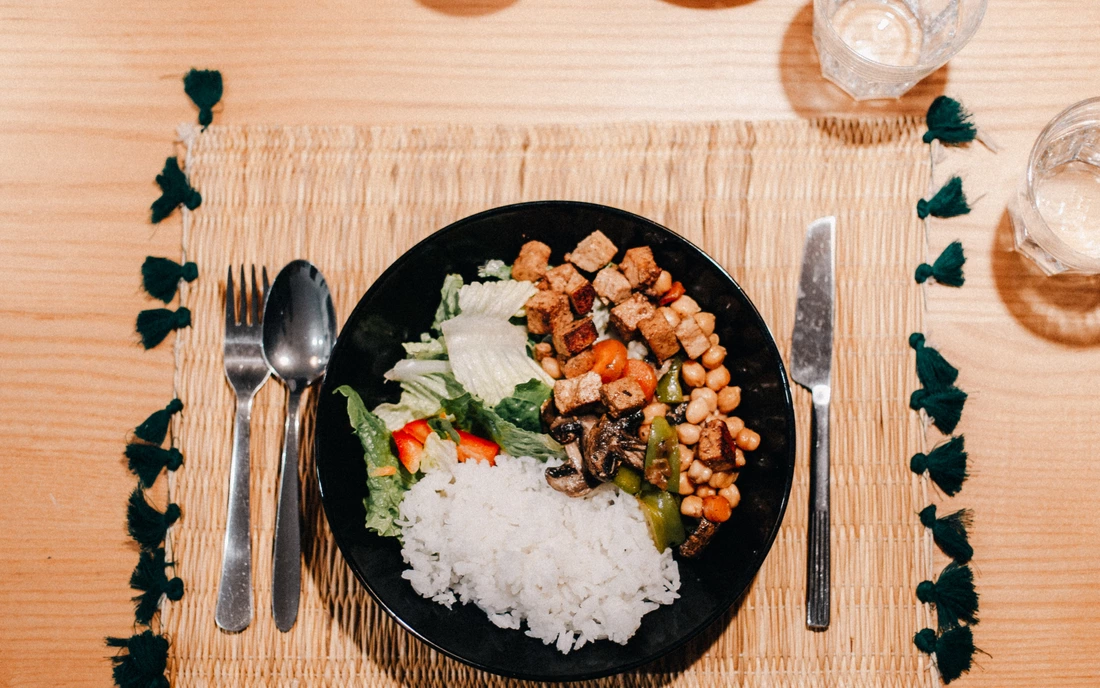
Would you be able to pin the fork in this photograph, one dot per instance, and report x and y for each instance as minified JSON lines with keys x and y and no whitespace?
{"x":246,"y":371}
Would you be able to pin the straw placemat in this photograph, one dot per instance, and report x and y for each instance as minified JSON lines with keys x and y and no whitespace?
{"x":353,"y":199}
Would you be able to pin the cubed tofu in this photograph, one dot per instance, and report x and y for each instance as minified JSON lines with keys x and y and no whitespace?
{"x":660,"y":336}
{"x":579,"y":364}
{"x":716,"y":448}
{"x":594,"y":252}
{"x":612,"y":285}
{"x":692,"y":337}
{"x":639,"y":267}
{"x":573,"y":284}
{"x":531,"y":262}
{"x":572,"y":395}
{"x":626,"y":316}
{"x":622,"y":396}
{"x":545,"y":309}
{"x":572,"y":338}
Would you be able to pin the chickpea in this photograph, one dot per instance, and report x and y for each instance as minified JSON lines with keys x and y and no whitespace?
{"x":705,"y":321}
{"x":713,"y":357}
{"x":738,"y":460}
{"x":686,"y":486}
{"x":699,"y":473}
{"x":713,"y":339}
{"x":542,"y":350}
{"x":692,"y":506}
{"x":705,"y":491}
{"x":671,"y":316}
{"x":735,"y":425}
{"x":643,"y":431}
{"x":552,"y":367}
{"x":748,"y":439}
{"x":685,"y":305}
{"x":717,"y":509}
{"x":693,"y":374}
{"x":696,"y":411}
{"x":708,"y":395}
{"x":688,"y":433}
{"x":687,"y":455}
{"x":720,"y":479}
{"x":729,"y":399}
{"x":718,"y":378}
{"x":652,"y":411}
{"x":663,"y":283}
{"x":731,"y":495}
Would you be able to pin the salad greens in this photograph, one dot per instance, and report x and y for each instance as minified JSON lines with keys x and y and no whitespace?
{"x":424,"y":385}
{"x":448,"y":304}
{"x":524,"y":406}
{"x":387,"y":480}
{"x":495,"y":268}
{"x":472,"y":415}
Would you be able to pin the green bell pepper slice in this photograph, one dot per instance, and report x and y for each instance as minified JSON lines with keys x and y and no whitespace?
{"x":669,"y":389}
{"x":662,"y":456}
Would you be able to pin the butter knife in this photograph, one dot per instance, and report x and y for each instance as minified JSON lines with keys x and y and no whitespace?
{"x":811,"y":360}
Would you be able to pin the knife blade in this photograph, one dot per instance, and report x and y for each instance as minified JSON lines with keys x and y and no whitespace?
{"x":811,"y":367}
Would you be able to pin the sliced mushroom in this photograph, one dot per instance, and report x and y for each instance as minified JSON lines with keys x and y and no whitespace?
{"x":699,"y":538}
{"x":569,"y":477}
{"x":565,"y":429}
{"x":610,"y":443}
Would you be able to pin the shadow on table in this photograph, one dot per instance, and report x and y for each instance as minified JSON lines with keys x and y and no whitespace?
{"x":812,"y":96}
{"x":350,"y":608}
{"x":1062,"y":308}
{"x":466,"y":8}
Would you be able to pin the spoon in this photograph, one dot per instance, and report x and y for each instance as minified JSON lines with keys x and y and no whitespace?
{"x":299,"y":329}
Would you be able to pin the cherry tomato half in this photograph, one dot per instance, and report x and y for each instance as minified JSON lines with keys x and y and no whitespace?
{"x":643,"y":374}
{"x":610,"y":358}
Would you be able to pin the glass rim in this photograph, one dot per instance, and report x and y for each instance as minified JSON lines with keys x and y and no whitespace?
{"x":1063,"y":252}
{"x":899,"y":71}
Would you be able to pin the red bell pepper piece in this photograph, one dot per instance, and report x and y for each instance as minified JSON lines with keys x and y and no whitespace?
{"x":408,"y":450}
{"x":476,"y":448}
{"x":418,"y":429}
{"x":675,"y":292}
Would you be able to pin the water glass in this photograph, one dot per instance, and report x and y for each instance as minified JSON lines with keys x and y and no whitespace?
{"x":1056,"y":212}
{"x":882,"y":48}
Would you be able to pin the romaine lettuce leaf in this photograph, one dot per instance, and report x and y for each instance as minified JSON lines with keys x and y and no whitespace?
{"x":426,"y":349}
{"x":473,"y":416}
{"x":489,"y":355}
{"x":496,"y":299}
{"x":495,"y":268}
{"x":424,"y":385}
{"x":523,"y":408}
{"x":448,"y":303}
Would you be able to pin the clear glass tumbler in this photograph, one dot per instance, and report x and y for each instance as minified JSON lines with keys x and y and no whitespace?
{"x":1056,"y":213}
{"x":882,"y":48}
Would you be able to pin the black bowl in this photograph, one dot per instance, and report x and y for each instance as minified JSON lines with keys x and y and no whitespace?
{"x":401,"y":305}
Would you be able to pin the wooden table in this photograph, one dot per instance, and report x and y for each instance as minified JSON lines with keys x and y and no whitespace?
{"x":90,"y":98}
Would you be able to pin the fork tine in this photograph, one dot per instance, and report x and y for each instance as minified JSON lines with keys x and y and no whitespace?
{"x":256,"y":297}
{"x":264,"y":269}
{"x":243,"y":308}
{"x":230,"y":297}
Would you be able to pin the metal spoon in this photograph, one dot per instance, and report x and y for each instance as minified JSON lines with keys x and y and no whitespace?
{"x":299,"y":331}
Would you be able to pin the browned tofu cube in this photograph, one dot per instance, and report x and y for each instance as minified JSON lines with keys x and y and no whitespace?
{"x":545,"y":309}
{"x":573,"y":284}
{"x":626,"y":316}
{"x":622,"y":396}
{"x":572,"y":338}
{"x":716,"y":448}
{"x":692,"y":337}
{"x":639,"y":267}
{"x":572,"y":395}
{"x":531,"y":262}
{"x":611,"y":285}
{"x":579,"y":364}
{"x":594,"y":252}
{"x":660,"y":336}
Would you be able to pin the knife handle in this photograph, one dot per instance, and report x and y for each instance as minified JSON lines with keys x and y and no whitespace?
{"x":817,"y":560}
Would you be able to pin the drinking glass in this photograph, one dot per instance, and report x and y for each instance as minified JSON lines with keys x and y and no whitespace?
{"x":882,"y":48}
{"x":1056,"y":213}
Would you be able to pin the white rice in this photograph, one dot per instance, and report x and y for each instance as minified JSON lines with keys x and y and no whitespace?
{"x":575,"y":569}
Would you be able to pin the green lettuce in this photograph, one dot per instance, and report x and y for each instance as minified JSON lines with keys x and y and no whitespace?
{"x":424,"y":386}
{"x":524,"y":407}
{"x":473,"y":416}
{"x":495,"y":268}
{"x":427,"y":349}
{"x":448,"y":303}
{"x":384,"y":492}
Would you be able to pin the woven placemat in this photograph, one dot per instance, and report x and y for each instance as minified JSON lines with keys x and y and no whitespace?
{"x":353,"y":199}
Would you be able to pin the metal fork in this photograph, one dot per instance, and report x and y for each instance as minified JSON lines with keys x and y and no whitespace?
{"x":246,"y":371}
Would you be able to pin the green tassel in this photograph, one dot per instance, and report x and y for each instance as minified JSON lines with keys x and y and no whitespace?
{"x":953,"y":594}
{"x":145,"y":524}
{"x":146,"y":461}
{"x":155,"y":427}
{"x":932,"y":369}
{"x":944,"y":406}
{"x":143,"y":664}
{"x":204,"y":87}
{"x":949,"y":122}
{"x":149,"y":577}
{"x":174,"y":190}
{"x":954,"y":650}
{"x":949,"y":532}
{"x":161,"y":276}
{"x":947,"y":269}
{"x":155,"y":324}
{"x":946,"y":465}
{"x":949,"y":201}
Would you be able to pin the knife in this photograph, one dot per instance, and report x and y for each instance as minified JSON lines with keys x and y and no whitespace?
{"x":811,"y":358}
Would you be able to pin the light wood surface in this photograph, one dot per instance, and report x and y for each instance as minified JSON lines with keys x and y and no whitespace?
{"x":89,"y":101}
